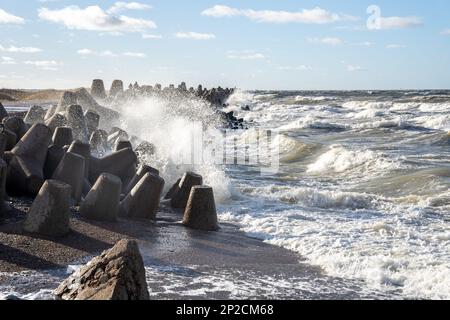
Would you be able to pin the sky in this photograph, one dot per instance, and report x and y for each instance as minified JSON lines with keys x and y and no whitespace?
{"x":251,"y":44}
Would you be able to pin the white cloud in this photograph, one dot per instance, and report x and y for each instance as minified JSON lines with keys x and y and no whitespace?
{"x":20,"y":49}
{"x":245,"y":56}
{"x":134,"y":54}
{"x":331,"y":41}
{"x":94,"y":18}
{"x":195,"y":35}
{"x":310,"y":16}
{"x":121,"y":6}
{"x":109,"y":53}
{"x":446,"y":32}
{"x":364,"y":44}
{"x":50,"y":65}
{"x":151,"y":36}
{"x":388,"y":23}
{"x":295,"y":68}
{"x":8,"y":18}
{"x":395,"y":46}
{"x":352,"y":68}
{"x":7,"y":60}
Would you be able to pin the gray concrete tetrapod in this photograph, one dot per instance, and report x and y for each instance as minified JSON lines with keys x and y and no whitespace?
{"x":121,"y":164}
{"x":11,"y":139}
{"x":49,"y":214}
{"x":145,"y":149}
{"x":181,"y":194}
{"x":3,"y":112}
{"x":98,"y":141}
{"x":172,"y":190}
{"x":54,"y":156}
{"x":143,"y":200}
{"x":92,"y":121}
{"x":3,"y":172}
{"x":76,"y":120}
{"x":16,"y":125}
{"x":98,"y":89}
{"x":200,"y":212}
{"x":55,"y":121}
{"x":116,"y":88}
{"x":63,"y":136}
{"x":3,"y":143}
{"x":84,"y":150}
{"x":123,"y":144}
{"x":50,"y":112}
{"x":142,"y":171}
{"x":119,"y":135}
{"x":103,"y":200}
{"x":35,"y":114}
{"x":71,"y":171}
{"x":68,"y":98}
{"x":25,"y":173}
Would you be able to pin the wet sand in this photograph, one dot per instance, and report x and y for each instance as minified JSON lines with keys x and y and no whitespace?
{"x":192,"y":263}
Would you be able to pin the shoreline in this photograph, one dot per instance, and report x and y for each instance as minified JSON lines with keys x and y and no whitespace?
{"x":214,"y":265}
{"x":229,"y":261}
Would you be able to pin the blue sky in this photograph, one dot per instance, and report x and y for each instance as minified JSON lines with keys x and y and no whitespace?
{"x":253,"y":44}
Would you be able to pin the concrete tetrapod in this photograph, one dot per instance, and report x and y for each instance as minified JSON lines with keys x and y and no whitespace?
{"x":3,"y":112}
{"x":76,"y":121}
{"x":181,"y":194}
{"x":71,"y":171}
{"x":3,"y":171}
{"x":121,"y":164}
{"x":200,"y":212}
{"x":98,"y":141}
{"x":143,"y":200}
{"x":84,"y":150}
{"x":35,"y":114}
{"x":122,"y":144}
{"x":55,"y":121}
{"x":102,"y":202}
{"x":25,"y":173}
{"x":50,"y":112}
{"x":116,"y":87}
{"x":49,"y":214}
{"x":54,"y":156}
{"x":62,"y":136}
{"x":16,"y":125}
{"x":142,"y":171}
{"x":98,"y":89}
{"x":67,"y":99}
{"x":92,"y":121}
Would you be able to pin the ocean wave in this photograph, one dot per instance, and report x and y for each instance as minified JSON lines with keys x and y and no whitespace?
{"x":338,"y":160}
{"x":388,"y":253}
{"x":312,"y":197}
{"x":291,"y":149}
{"x":310,"y":122}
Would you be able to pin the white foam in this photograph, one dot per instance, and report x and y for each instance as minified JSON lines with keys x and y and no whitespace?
{"x":338,"y":159}
{"x":168,"y":124}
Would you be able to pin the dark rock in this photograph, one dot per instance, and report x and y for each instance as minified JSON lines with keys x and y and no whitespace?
{"x":117,"y":274}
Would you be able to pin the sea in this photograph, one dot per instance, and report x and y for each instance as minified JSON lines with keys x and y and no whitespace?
{"x":361,"y":189}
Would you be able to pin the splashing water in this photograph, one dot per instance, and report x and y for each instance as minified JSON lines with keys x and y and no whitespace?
{"x":170,"y":124}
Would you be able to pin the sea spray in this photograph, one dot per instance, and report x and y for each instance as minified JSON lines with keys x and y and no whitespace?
{"x":170,"y":124}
